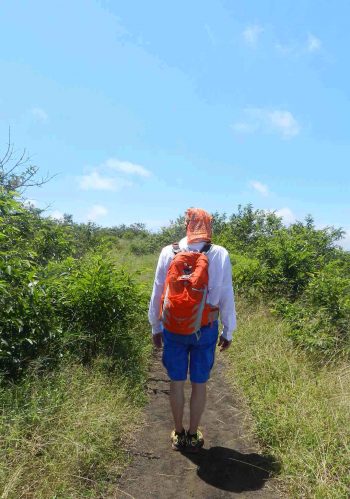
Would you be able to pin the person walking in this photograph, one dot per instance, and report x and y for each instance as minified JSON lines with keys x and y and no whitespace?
{"x":192,"y":288}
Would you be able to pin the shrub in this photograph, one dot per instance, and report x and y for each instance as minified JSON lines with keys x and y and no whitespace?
{"x":248,"y":275}
{"x":28,"y":324}
{"x":101,"y":309}
{"x":320,"y":320}
{"x":144,"y":245}
{"x":51,"y":305}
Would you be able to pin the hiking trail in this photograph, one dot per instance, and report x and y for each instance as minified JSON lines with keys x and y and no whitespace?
{"x":228,"y":465}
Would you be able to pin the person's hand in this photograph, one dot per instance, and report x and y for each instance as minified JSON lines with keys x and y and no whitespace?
{"x":158,"y":340}
{"x":224,"y":344}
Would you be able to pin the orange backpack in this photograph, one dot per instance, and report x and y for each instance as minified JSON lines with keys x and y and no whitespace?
{"x":183,"y":307}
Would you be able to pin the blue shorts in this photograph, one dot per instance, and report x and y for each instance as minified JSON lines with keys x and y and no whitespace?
{"x":182,"y":350}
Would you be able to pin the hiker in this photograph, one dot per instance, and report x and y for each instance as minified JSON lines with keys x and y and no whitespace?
{"x":192,"y":287}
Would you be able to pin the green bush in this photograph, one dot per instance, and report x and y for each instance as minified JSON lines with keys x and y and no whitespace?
{"x":292,"y":256}
{"x":299,"y":267}
{"x":83,"y":308}
{"x":145,"y":245}
{"x":248,"y":275}
{"x":28,"y":324}
{"x":320,"y":320}
{"x":51,"y":305}
{"x":102,"y":310}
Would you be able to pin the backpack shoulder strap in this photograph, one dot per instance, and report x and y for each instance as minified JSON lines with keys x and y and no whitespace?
{"x":176,"y":248}
{"x":206,"y":248}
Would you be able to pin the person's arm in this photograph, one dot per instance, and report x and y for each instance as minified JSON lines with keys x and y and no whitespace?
{"x":158,"y":286}
{"x":227,"y":305}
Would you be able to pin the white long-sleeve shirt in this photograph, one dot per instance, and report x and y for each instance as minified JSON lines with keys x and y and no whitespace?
{"x":220,"y":290}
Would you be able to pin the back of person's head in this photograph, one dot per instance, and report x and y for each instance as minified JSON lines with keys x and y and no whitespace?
{"x":198,"y":225}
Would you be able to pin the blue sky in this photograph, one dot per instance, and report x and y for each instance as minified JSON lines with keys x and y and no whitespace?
{"x":145,"y":108}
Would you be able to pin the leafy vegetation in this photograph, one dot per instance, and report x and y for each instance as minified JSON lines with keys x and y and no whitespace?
{"x":298,"y":270}
{"x":53,"y":304}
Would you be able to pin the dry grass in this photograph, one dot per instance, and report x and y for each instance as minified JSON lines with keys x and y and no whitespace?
{"x":301,"y":411}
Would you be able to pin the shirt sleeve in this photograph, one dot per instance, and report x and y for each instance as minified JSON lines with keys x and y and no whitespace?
{"x":227,"y":301}
{"x":158,"y":286}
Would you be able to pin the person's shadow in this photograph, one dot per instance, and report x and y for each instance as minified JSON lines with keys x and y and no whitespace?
{"x":231,"y":470}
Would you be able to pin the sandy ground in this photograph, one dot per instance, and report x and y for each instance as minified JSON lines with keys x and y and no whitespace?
{"x":227,"y":466}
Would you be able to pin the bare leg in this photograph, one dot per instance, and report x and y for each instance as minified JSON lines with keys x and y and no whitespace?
{"x":177,"y":402}
{"x":197,"y":404}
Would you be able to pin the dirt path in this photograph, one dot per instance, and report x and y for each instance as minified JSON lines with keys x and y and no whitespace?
{"x":227,"y":466}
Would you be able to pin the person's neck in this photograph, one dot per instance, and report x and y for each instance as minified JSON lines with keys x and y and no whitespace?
{"x":201,"y":242}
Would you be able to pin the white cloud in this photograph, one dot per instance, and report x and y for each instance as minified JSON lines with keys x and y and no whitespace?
{"x":258,"y":186}
{"x":287,"y":215}
{"x":313,"y":43}
{"x":268,"y":121}
{"x":31,"y":203}
{"x":127,"y":167}
{"x":96,"y":212}
{"x":39,"y":114}
{"x":98,"y":182}
{"x":251,"y":34}
{"x":345,"y":242}
{"x":284,"y":122}
{"x":57,"y":215}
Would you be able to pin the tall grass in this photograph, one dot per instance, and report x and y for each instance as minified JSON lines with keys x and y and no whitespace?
{"x":301,"y":411}
{"x":141,"y":267}
{"x":62,"y":435}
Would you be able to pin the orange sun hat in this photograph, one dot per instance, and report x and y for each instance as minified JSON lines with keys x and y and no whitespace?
{"x":199,"y":225}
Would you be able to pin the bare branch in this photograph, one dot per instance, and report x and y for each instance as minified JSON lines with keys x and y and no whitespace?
{"x":17,"y":172}
{"x":8,"y":152}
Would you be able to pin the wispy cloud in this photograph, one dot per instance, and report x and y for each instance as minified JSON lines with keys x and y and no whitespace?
{"x":211,"y":36}
{"x":96,"y":181}
{"x":313,"y":43}
{"x":57,"y":215}
{"x":259,"y":187}
{"x":244,"y":127}
{"x":287,"y":215}
{"x":300,"y":48}
{"x":96,"y":211}
{"x":127,"y":167}
{"x":286,"y":49}
{"x":39,"y":114}
{"x":155,"y":225}
{"x":251,"y":34}
{"x":112,"y":175}
{"x":264,"y":120}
